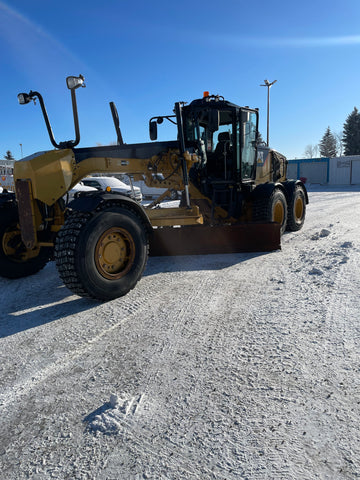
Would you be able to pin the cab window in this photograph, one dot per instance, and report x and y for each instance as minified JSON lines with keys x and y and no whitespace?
{"x":246,"y":132}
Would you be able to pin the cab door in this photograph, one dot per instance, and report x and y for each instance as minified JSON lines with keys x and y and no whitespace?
{"x":246,"y":135}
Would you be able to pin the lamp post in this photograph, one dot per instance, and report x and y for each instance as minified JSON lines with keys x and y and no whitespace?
{"x":268,"y":85}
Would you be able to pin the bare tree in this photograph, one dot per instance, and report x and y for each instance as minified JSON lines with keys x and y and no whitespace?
{"x":311,"y":151}
{"x":339,"y":143}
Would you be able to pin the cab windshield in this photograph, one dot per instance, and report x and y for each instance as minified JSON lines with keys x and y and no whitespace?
{"x":198,"y":127}
{"x":229,"y":147}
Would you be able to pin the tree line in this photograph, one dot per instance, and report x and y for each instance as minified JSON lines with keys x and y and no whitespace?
{"x":332,"y":144}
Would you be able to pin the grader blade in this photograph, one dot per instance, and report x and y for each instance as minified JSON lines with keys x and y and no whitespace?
{"x":204,"y":240}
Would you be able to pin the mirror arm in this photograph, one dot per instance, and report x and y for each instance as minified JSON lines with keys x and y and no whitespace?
{"x":32,"y":95}
{"x":66,"y":144}
{"x":76,"y":120}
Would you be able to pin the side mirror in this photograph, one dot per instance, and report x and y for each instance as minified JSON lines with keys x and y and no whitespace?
{"x":75,"y":82}
{"x":153,"y":130}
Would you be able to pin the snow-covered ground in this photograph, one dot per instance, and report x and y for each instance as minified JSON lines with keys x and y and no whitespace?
{"x":241,"y":366}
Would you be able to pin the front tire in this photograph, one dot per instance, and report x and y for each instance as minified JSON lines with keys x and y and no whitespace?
{"x":15,"y":260}
{"x":102,"y":256}
{"x":271,"y":209}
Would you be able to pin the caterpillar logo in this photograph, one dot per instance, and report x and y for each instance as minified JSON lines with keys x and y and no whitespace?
{"x":260,"y":159}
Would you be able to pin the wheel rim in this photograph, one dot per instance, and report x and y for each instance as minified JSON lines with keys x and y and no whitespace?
{"x":279,"y":213}
{"x":299,"y":209}
{"x":14,"y":249}
{"x":114,"y":253}
{"x":8,"y":241}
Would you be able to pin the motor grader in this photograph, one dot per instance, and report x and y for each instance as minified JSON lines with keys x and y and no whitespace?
{"x":235,"y":198}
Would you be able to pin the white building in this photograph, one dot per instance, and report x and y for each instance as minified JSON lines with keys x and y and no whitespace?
{"x":6,"y":174}
{"x":327,"y":171}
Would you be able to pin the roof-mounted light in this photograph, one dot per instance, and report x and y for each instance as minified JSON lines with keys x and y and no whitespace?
{"x":24,"y":98}
{"x":75,"y":82}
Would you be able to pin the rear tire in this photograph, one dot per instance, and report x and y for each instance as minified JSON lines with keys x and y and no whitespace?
{"x":15,"y":261}
{"x":296,"y":210}
{"x":102,"y":256}
{"x":271,"y":209}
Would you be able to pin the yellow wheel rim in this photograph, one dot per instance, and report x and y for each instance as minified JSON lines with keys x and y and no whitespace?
{"x":13,"y":247}
{"x":9,"y":239}
{"x":279,"y":213}
{"x":114,"y":253}
{"x":299,"y":209}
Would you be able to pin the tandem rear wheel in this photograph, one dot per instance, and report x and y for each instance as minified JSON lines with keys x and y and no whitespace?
{"x":296,"y":210}
{"x":103,"y":255}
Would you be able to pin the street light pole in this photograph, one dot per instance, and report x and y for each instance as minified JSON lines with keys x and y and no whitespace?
{"x":268,"y":85}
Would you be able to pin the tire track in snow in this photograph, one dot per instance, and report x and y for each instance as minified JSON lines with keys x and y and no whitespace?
{"x":142,"y":437}
{"x":129,"y":307}
{"x":188,"y":329}
{"x":274,"y":335}
{"x":325,"y":274}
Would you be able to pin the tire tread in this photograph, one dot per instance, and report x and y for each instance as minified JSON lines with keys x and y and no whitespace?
{"x":67,"y":241}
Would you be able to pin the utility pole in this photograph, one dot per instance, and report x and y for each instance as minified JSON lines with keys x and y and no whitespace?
{"x":268,"y":85}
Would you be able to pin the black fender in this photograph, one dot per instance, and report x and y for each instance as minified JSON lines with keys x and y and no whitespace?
{"x":289,"y":186}
{"x":264,"y":190}
{"x":8,"y":198}
{"x":90,"y":201}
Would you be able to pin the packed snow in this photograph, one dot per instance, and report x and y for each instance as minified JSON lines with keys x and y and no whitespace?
{"x":239,"y":366}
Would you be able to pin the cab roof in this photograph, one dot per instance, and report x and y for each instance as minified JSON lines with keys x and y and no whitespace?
{"x":213,"y":101}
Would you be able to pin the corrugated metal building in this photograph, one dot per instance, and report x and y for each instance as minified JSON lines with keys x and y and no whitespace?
{"x":331,"y":171}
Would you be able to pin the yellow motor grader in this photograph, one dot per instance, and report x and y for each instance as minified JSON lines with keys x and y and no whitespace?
{"x":235,"y":198}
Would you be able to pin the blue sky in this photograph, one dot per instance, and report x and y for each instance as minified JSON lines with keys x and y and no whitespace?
{"x":146,"y":55}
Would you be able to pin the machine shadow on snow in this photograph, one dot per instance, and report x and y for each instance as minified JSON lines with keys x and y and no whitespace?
{"x":22,"y":310}
{"x":11,"y":324}
{"x":26,"y":311}
{"x":192,"y":263}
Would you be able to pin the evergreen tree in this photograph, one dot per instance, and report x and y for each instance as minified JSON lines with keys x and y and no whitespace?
{"x":351,"y":134}
{"x":260,"y":140}
{"x":327,"y":144}
{"x":9,"y":156}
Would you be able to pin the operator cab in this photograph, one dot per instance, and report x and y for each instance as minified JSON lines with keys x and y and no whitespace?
{"x":225,"y":136}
